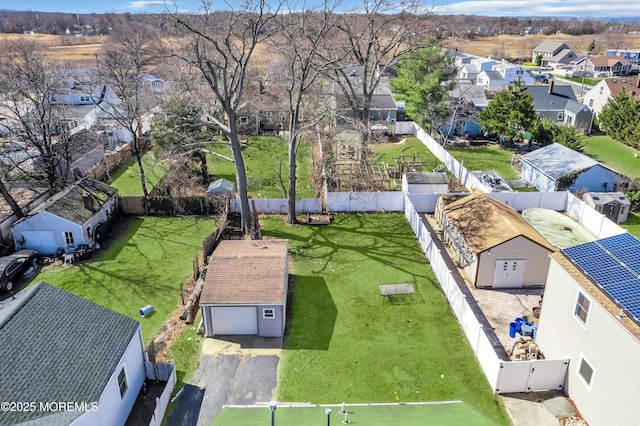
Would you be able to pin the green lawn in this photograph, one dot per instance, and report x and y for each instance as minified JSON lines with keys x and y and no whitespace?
{"x":486,"y":158}
{"x":344,"y":343}
{"x":386,"y":152}
{"x":614,"y":154}
{"x":126,"y":178}
{"x":454,"y":413}
{"x":266,"y":161}
{"x":145,"y":265}
{"x":632,"y":224}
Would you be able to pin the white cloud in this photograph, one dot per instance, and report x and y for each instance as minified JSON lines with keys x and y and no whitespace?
{"x":550,"y":8}
{"x":142,"y":4}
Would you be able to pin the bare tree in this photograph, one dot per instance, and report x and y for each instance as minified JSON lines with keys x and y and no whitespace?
{"x":303,"y":36}
{"x":376,"y":34}
{"x":220,"y":45}
{"x":131,"y":51}
{"x":30,"y":117}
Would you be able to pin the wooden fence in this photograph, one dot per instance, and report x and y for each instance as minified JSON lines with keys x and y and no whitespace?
{"x":110,"y":162}
{"x":166,"y":206}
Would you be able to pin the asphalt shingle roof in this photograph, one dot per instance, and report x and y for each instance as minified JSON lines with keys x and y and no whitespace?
{"x":427,"y":177}
{"x":557,"y":160}
{"x":247,"y":272}
{"x":57,"y":346}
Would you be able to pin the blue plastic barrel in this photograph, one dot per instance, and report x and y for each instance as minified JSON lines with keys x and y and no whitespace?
{"x":146,"y":310}
{"x":512,"y":329}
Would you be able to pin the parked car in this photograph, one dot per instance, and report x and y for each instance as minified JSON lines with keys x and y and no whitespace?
{"x":547,"y":68}
{"x":13,"y":267}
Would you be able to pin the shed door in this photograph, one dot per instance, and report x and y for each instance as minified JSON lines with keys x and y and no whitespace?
{"x":235,"y":320}
{"x":42,"y":241}
{"x":509,"y":273}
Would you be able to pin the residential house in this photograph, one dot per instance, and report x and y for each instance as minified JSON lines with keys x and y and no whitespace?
{"x":28,"y":198}
{"x":470,"y":66}
{"x":632,"y":56}
{"x":501,"y":75}
{"x":558,"y":103}
{"x":608,"y":88}
{"x":425,"y":182}
{"x":601,"y":66}
{"x":591,"y":314}
{"x":553,"y":53}
{"x":614,"y":206}
{"x":79,"y":214}
{"x":58,"y":349}
{"x":245,"y":290}
{"x":493,"y":243}
{"x":558,"y":168}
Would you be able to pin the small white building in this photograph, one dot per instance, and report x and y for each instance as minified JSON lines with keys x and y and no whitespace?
{"x":74,"y":216}
{"x":591,"y":314}
{"x":59,"y":348}
{"x":502,"y":75}
{"x":245,"y":290}
{"x":425,"y":182}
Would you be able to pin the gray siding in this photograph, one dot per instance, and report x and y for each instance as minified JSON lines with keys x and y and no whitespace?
{"x":271,"y":327}
{"x":609,"y":347}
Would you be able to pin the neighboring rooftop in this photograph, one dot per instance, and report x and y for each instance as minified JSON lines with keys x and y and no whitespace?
{"x":423,"y":178}
{"x":557,"y":160}
{"x":57,"y":346}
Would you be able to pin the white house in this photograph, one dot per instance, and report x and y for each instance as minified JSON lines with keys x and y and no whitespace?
{"x":245,"y":290}
{"x":608,"y":88}
{"x":493,"y":243}
{"x":591,"y":314}
{"x":501,"y":75}
{"x":79,"y":363}
{"x":74,"y":216}
{"x":470,"y":66}
{"x":557,"y":168}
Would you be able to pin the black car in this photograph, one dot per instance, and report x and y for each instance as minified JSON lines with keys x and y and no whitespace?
{"x":13,"y":267}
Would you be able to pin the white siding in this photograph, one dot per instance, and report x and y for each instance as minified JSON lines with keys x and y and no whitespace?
{"x":609,"y":348}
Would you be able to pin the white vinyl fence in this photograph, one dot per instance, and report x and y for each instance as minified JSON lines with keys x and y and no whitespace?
{"x":279,"y":205}
{"x":503,"y":376}
{"x":365,"y":201}
{"x":591,"y":219}
{"x":163,"y":400}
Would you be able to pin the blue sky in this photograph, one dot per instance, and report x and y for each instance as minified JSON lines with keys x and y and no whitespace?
{"x":577,"y":8}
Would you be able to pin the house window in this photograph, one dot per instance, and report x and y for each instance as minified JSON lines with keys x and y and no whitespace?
{"x":267,"y":115}
{"x":268,"y":313}
{"x":68,"y":238}
{"x":244,"y":120}
{"x":582,"y":308}
{"x":569,"y":119}
{"x":560,"y":115}
{"x":85,"y":98}
{"x":601,"y":90}
{"x":585,"y":371}
{"x":590,"y":103}
{"x":89,"y":231}
{"x":122,"y":382}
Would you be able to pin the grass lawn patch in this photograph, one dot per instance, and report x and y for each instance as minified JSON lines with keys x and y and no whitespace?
{"x":145,"y":264}
{"x":386,"y":152}
{"x":126,"y":178}
{"x":345,"y":343}
{"x":267,"y":163}
{"x":486,"y":158}
{"x":614,"y":154}
{"x":632,"y":224}
{"x":453,"y":413}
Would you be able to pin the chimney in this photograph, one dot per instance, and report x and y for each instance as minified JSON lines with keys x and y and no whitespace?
{"x":551,"y":86}
{"x":88,"y":201}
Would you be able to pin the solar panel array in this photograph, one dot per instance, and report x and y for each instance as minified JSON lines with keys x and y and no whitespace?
{"x":613,"y":264}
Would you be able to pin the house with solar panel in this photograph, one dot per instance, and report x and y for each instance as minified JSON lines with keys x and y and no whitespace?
{"x":558,"y":168}
{"x":591,"y":314}
{"x":59,"y":348}
{"x":493,"y":243}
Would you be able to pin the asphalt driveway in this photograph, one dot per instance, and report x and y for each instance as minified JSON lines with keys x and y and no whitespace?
{"x":229,"y":374}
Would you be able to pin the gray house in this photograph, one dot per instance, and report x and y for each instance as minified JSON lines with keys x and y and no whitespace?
{"x":553,"y":53}
{"x":80,"y":214}
{"x":245,"y":290}
{"x":560,"y":105}
{"x":57,"y":348}
{"x":558,"y":168}
{"x":614,"y":205}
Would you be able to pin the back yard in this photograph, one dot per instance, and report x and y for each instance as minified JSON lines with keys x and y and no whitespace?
{"x":614,"y":154}
{"x":346,"y":343}
{"x":126,"y":178}
{"x":147,"y":263}
{"x":486,"y":158}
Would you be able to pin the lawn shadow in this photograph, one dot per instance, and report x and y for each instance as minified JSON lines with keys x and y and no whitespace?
{"x":404,"y":299}
{"x":311,"y":314}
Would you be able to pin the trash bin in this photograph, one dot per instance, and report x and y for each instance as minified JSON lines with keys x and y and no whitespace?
{"x":512,"y":329}
{"x":146,"y":310}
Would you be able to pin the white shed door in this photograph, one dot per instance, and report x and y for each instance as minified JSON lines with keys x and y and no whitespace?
{"x":509,"y":273}
{"x":235,"y":320}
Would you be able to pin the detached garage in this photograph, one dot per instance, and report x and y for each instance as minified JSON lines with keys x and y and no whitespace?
{"x":245,"y":290}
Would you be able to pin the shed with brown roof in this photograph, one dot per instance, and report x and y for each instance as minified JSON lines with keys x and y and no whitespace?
{"x":494,"y":244}
{"x":245,"y":290}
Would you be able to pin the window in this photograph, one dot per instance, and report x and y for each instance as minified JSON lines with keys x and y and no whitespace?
{"x":267,"y":115}
{"x":569,"y":119}
{"x":122,"y":382}
{"x":590,"y":103}
{"x":244,"y":120}
{"x":89,"y":231}
{"x":268,"y":313}
{"x":601,"y":90}
{"x":85,"y":98}
{"x":68,"y":238}
{"x":560,"y":115}
{"x":585,"y":371}
{"x":582,"y":308}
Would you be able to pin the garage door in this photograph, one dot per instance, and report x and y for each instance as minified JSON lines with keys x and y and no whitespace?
{"x":42,"y":241}
{"x":235,"y":320}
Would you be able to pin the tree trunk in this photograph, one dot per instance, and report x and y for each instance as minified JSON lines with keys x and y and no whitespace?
{"x":241,"y":177}
{"x":291,"y":204}
{"x":9,"y":199}
{"x":143,"y":180}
